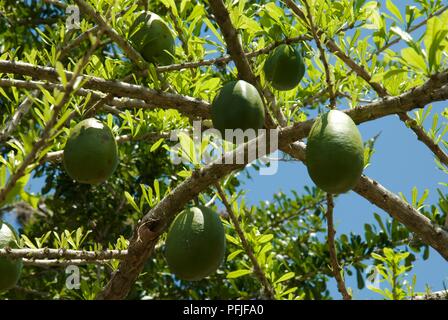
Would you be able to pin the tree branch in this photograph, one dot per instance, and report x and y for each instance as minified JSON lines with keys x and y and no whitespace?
{"x":268,"y":291}
{"x":227,"y":58}
{"x":437,"y":295}
{"x":56,"y":156}
{"x":335,"y":268}
{"x":123,"y":43}
{"x":189,"y":105}
{"x":411,"y":29}
{"x":66,"y":254}
{"x":322,"y":57}
{"x":423,"y":137}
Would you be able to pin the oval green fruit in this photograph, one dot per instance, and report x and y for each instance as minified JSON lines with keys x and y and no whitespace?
{"x":195,"y":244}
{"x":284,"y":68}
{"x":152,"y":38}
{"x":90,"y":154}
{"x":335,"y":152}
{"x":238,"y":105}
{"x":10,"y":269}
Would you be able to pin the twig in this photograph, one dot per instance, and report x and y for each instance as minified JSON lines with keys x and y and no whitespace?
{"x":227,"y":58}
{"x":300,"y":212}
{"x":48,"y":253}
{"x":437,"y":295}
{"x":130,"y":52}
{"x":44,"y":263}
{"x":78,"y":40}
{"x":322,"y":56}
{"x":331,"y":45}
{"x":423,"y":137}
{"x":411,"y":29}
{"x":22,"y":110}
{"x":335,"y":268}
{"x":42,"y":295}
{"x":56,"y":156}
{"x":268,"y":291}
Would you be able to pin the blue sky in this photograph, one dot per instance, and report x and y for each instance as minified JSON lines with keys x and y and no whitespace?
{"x":399,"y":163}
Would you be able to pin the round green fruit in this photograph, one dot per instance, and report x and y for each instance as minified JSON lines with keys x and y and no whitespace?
{"x":10,"y":269}
{"x":335,"y":152}
{"x":195,"y":245}
{"x":90,"y":154}
{"x":152,"y":38}
{"x":238,"y":105}
{"x":284,"y":68}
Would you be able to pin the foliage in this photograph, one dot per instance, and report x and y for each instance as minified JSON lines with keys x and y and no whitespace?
{"x":286,"y":233}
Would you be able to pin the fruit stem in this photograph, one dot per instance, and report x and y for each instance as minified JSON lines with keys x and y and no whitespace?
{"x":335,"y":268}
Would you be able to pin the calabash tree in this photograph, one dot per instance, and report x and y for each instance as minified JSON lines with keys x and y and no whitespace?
{"x":107,"y":240}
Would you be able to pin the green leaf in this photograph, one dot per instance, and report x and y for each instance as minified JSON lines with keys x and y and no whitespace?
{"x":16,"y":190}
{"x":28,"y":242}
{"x":232,"y":239}
{"x":238,"y":273}
{"x":394,"y":10}
{"x":265,"y":238}
{"x":171,"y":5}
{"x":131,"y":201}
{"x":61,"y":72}
{"x":285,"y":277}
{"x":413,"y":59}
{"x":157,"y":189}
{"x":234,"y":254}
{"x":156,"y":145}
{"x":184,"y":174}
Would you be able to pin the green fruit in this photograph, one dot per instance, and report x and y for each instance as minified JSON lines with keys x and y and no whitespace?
{"x":284,"y":68}
{"x":335,"y":152}
{"x":238,"y":106}
{"x":90,"y":154}
{"x":10,"y":269}
{"x":195,"y":245}
{"x":152,"y":38}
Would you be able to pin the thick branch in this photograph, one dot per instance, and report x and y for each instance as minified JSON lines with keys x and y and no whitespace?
{"x":233,"y":41}
{"x":189,"y":105}
{"x":156,"y":221}
{"x":428,"y":231}
{"x":120,"y":103}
